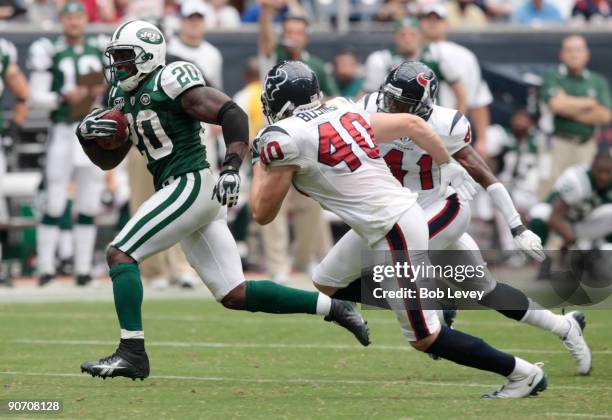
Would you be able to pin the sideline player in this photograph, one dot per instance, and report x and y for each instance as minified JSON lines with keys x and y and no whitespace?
{"x":165,"y":105}
{"x":329,"y":152}
{"x":410,"y":87}
{"x":580,"y":206}
{"x":56,"y":69}
{"x":12,"y":78}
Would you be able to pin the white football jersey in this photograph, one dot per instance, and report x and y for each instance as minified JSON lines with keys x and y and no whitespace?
{"x":576,"y":188}
{"x":410,"y":164}
{"x":339,"y":166}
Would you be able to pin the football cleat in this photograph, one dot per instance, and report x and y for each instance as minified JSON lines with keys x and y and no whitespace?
{"x":346,"y":315}
{"x":83,"y":280}
{"x":574,"y":341}
{"x":532,"y":384}
{"x":45,"y":279}
{"x":135,"y":366}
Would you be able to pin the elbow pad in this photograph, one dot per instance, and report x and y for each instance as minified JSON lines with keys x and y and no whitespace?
{"x":234,"y":123}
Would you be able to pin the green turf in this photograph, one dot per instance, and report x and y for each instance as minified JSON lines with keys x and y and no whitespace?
{"x":265,"y":366}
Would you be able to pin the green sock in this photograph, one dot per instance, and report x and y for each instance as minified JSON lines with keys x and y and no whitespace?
{"x":267,"y":296}
{"x":127,"y":290}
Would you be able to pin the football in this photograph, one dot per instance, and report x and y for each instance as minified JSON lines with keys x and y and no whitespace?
{"x":111,"y":143}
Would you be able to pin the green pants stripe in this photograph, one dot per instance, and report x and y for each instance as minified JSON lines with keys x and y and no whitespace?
{"x":176,"y":214}
{"x":154,"y":213}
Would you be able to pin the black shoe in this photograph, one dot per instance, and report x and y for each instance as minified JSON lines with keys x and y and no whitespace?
{"x":5,"y":281}
{"x":83,"y":280}
{"x":346,"y":315}
{"x":120,"y":363}
{"x":45,"y":279}
{"x":65,"y":268}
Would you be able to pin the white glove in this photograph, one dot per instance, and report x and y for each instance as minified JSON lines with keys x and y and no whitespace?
{"x":227,"y":189}
{"x":530,"y":244}
{"x":93,"y":127}
{"x":454,"y":175}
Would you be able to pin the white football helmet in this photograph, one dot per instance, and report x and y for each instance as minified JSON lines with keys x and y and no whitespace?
{"x":136,"y":49}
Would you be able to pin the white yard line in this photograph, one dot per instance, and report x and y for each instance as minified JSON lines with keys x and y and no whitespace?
{"x":288,"y":319}
{"x":206,"y":344}
{"x":306,"y":381}
{"x":580,"y":415}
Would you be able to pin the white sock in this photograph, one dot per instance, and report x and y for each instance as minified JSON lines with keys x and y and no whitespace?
{"x":85,"y":237}
{"x":323,"y":304}
{"x":522,"y":368}
{"x":125,"y":334}
{"x":47,"y":237}
{"x":545,"y":319}
{"x":66,"y":245}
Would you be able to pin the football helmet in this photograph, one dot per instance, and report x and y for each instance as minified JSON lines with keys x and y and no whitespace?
{"x":289,"y":87}
{"x":410,"y":87}
{"x":136,"y":49}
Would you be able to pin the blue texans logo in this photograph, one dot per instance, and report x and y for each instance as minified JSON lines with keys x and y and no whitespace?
{"x":274,"y":82}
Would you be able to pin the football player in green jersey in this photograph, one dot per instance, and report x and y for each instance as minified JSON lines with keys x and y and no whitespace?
{"x":58,"y":68}
{"x":12,"y":78}
{"x":579,"y":209}
{"x":165,"y":105}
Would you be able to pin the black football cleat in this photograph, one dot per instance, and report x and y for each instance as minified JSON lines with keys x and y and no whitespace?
{"x":45,"y":279}
{"x":120,"y":363}
{"x":83,"y":280}
{"x":346,"y":315}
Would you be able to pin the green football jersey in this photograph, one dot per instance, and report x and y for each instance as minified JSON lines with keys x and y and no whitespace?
{"x":66,"y":63}
{"x":171,"y":140}
{"x":8,"y":55}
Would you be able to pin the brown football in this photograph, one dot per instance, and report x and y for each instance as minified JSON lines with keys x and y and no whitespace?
{"x":111,"y":143}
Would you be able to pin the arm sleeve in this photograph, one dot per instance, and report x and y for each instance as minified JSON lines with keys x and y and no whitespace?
{"x":603,"y":93}
{"x":549,"y":86}
{"x":278,"y":148}
{"x":40,"y":61}
{"x":178,"y":77}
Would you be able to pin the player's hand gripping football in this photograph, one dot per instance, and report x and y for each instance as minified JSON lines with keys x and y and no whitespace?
{"x":454,"y":175}
{"x":530,"y":244}
{"x":94,"y":127}
{"x":228,"y":187}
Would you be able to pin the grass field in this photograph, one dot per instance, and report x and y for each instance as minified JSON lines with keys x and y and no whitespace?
{"x":208,"y":362}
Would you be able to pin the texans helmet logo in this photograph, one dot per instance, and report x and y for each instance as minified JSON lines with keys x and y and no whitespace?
{"x":273,"y":83}
{"x":422,"y":80}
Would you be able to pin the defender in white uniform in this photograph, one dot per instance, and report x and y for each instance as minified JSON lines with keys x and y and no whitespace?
{"x":448,"y":219}
{"x":330,"y":153}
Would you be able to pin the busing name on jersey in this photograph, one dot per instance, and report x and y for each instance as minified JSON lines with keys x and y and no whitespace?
{"x":311,"y":115}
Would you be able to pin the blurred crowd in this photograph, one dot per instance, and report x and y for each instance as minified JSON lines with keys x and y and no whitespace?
{"x":230,"y":14}
{"x":529,"y":155}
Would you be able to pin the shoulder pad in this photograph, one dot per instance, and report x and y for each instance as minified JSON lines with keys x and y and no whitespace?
{"x":179,"y":76}
{"x":277,"y":147}
{"x":98,"y":41}
{"x":573,"y":185}
{"x":369,"y":102}
{"x":40,"y":56}
{"x":8,"y":49}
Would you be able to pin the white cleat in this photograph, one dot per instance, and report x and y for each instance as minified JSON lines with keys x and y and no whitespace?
{"x":574,"y":341}
{"x":532,"y":384}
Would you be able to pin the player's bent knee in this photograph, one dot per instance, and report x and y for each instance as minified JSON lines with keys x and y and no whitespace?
{"x":424,"y":343}
{"x":115,"y":256}
{"x":327,"y":290}
{"x":236,"y":298}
